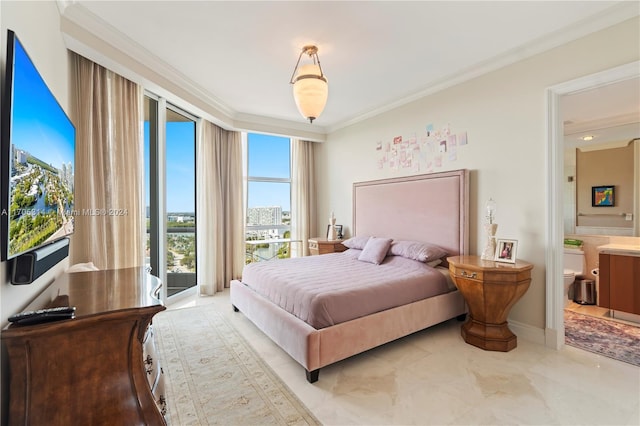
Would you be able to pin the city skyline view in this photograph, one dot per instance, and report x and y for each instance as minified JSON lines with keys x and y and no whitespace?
{"x":268,"y":197}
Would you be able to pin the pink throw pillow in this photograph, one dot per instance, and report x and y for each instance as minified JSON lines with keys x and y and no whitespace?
{"x":375,"y":250}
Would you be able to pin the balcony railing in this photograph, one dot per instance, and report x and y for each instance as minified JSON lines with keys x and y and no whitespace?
{"x":268,"y":249}
{"x":179,"y":281}
{"x":181,"y":262}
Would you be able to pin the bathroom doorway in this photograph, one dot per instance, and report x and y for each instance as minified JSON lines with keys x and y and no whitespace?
{"x":555,"y":299}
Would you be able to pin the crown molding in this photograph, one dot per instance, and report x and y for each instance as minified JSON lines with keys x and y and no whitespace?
{"x":262,"y":124}
{"x":63,"y":4}
{"x":602,"y":123}
{"x":106,"y":41}
{"x":606,"y":145}
{"x":90,"y":36}
{"x":612,"y":16}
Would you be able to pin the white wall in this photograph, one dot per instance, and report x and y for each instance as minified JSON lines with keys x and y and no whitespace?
{"x":37,"y":26}
{"x":504,"y":115}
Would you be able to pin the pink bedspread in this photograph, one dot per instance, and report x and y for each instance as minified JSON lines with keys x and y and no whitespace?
{"x":333,"y":288}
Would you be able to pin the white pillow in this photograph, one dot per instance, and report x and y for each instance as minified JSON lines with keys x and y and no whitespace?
{"x":375,"y":250}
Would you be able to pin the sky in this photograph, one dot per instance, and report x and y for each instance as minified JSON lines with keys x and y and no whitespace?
{"x":45,"y":132}
{"x":268,"y":157}
{"x":180,"y":166}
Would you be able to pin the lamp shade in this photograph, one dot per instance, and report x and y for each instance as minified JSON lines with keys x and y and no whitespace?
{"x":310,"y":91}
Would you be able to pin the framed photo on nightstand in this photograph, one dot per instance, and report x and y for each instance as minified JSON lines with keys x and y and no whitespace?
{"x":338,"y":231}
{"x":506,"y":251}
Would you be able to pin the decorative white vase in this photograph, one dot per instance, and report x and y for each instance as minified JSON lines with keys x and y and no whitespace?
{"x":489,"y":251}
{"x":332,"y":229}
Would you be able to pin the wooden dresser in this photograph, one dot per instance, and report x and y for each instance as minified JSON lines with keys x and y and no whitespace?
{"x":323,"y":246}
{"x":96,"y":369}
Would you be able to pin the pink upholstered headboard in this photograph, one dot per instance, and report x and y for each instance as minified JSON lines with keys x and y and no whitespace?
{"x":430,"y":208}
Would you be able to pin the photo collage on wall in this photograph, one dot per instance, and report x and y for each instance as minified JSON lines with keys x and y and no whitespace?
{"x":421,"y":154}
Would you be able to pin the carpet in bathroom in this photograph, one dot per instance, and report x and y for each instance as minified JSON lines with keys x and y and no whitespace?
{"x":603,"y":336}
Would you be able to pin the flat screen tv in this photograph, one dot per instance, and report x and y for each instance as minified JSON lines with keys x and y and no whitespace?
{"x":38,"y":159}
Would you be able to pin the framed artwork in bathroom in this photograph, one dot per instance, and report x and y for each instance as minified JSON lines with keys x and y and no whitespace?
{"x":506,"y":250}
{"x":602,"y":196}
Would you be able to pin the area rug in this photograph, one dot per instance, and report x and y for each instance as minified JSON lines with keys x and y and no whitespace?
{"x":213,"y":376}
{"x":602,"y":336}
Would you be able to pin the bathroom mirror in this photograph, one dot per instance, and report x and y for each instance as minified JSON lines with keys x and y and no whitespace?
{"x":602,"y":148}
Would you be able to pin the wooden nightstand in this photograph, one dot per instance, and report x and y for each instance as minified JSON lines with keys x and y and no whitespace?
{"x":490,"y":290}
{"x":323,"y":246}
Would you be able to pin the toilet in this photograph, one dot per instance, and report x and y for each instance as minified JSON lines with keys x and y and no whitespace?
{"x":574,"y":266}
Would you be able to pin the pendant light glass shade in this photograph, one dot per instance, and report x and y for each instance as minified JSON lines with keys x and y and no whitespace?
{"x":310,"y":88}
{"x":310,"y":91}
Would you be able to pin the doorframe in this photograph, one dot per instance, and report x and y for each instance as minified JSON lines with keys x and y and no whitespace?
{"x":554,"y":315}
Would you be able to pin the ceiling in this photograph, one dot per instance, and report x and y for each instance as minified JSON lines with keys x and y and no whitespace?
{"x":610,"y":114}
{"x":238,"y":57}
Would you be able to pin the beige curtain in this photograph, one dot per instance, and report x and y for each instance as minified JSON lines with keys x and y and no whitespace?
{"x":303,"y":193}
{"x":219,"y":208}
{"x":109,"y":183}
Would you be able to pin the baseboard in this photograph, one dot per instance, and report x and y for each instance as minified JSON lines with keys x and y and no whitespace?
{"x":527,"y":332}
{"x":551,"y":339}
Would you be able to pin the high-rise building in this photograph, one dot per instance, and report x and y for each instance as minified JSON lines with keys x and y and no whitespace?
{"x":21,"y":156}
{"x":264,"y":215}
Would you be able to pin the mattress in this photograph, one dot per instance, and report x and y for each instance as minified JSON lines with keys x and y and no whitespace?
{"x":333,"y":288}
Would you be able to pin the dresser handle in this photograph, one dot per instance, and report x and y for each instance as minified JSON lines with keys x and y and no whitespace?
{"x":465,"y":274}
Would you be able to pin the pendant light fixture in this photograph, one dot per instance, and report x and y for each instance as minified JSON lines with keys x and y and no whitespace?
{"x":310,"y":88}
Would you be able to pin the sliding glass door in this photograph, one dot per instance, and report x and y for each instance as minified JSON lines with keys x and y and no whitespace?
{"x":170,"y":136}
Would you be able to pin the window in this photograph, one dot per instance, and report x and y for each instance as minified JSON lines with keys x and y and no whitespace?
{"x":268,"y":221}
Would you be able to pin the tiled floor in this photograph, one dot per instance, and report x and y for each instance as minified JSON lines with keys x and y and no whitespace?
{"x":434,"y":377}
{"x":591,"y":310}
{"x":598,"y":312}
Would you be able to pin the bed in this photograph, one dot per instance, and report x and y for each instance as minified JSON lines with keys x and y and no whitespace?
{"x":432,"y":208}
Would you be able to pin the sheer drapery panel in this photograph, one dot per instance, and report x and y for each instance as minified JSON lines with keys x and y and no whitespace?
{"x":219,"y":208}
{"x":303,"y":193}
{"x":109,"y":191}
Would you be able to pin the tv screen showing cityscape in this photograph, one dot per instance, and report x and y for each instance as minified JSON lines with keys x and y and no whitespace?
{"x":40,"y":150}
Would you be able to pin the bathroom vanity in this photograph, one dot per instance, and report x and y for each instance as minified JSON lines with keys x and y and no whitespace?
{"x":620,"y":278}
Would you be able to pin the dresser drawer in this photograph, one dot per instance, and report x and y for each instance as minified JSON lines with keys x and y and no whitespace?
{"x":155,"y":375}
{"x":468,"y":274}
